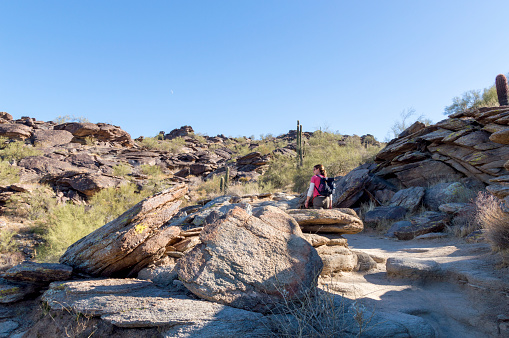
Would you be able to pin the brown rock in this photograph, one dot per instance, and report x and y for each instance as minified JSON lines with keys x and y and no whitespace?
{"x":6,"y":116}
{"x":250,"y":261}
{"x":89,"y":184}
{"x":501,"y":136}
{"x":38,"y":272}
{"x":126,"y":243}
{"x":48,"y":138}
{"x":429,"y":221}
{"x":15,"y":131}
{"x":342,"y":221}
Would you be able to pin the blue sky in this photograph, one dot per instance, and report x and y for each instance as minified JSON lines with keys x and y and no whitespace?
{"x":243,"y":68}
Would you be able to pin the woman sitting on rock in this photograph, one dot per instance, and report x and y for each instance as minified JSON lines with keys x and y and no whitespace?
{"x":313,"y":193}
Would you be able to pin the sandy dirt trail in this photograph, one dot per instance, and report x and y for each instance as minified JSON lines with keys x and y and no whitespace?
{"x":467,"y":301}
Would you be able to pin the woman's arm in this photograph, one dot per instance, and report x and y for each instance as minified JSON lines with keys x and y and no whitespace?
{"x":310,"y":194}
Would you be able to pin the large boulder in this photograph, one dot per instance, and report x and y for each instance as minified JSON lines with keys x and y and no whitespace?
{"x":89,"y":184}
{"x":123,"y":305}
{"x":251,"y":262}
{"x":384,"y":214}
{"x":410,"y":199}
{"x":49,"y":138}
{"x":15,"y":131}
{"x":342,"y":221}
{"x":37,"y":273}
{"x":429,"y":221}
{"x":43,"y":165}
{"x":443,"y":193}
{"x":127,"y":244}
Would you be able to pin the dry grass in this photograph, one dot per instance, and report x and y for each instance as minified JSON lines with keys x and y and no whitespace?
{"x":494,"y":221}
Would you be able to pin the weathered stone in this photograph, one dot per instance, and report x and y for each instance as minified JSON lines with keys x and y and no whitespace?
{"x":364,"y":261}
{"x":90,"y":184}
{"x":132,"y":241}
{"x":131,"y":303}
{"x":14,"y":292}
{"x":315,"y":240}
{"x":15,"y":131}
{"x":429,"y":221}
{"x":343,"y":221}
{"x":498,"y":190}
{"x":38,"y":272}
{"x":453,"y":124}
{"x":413,"y":268}
{"x":6,"y":116}
{"x":473,"y":139}
{"x":454,"y":208}
{"x":436,"y":135}
{"x":409,"y":199}
{"x":384,"y":214}
{"x":349,"y":188}
{"x":222,"y":268}
{"x":443,"y":193}
{"x":49,"y":138}
{"x":181,"y":132}
{"x":420,"y":173}
{"x":44,"y":165}
{"x":415,"y":127}
{"x":79,"y":129}
{"x":396,"y":226}
{"x":336,"y":259}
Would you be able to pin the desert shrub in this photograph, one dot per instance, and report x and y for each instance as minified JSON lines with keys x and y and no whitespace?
{"x":473,"y":99}
{"x":8,"y":173}
{"x":122,"y":169}
{"x":16,"y":150}
{"x":493,"y":220}
{"x":7,"y":242}
{"x":154,"y":143}
{"x":34,"y":205}
{"x":152,"y":171}
{"x":64,"y":224}
{"x":209,"y":188}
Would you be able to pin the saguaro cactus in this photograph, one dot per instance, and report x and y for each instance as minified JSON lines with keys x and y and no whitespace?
{"x":502,"y":89}
{"x":221,"y":185}
{"x":300,"y":149}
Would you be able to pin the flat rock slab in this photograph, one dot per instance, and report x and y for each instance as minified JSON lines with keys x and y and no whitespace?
{"x":249,"y":262}
{"x":132,"y":303}
{"x":127,"y":244}
{"x":409,"y":199}
{"x":342,"y":221}
{"x":385,"y":213}
{"x":38,"y":272}
{"x":14,"y":292}
{"x":429,"y":221}
{"x":413,"y":268}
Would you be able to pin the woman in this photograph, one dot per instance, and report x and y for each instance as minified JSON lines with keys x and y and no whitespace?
{"x":318,"y":201}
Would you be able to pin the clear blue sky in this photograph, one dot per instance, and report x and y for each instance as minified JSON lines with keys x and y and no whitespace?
{"x":244,"y":68}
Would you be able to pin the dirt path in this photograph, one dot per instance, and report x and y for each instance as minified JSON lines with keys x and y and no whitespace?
{"x":464,"y":302}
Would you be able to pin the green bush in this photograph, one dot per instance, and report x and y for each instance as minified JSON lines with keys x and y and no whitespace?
{"x":173,"y":146}
{"x":8,"y":173}
{"x":152,"y":171}
{"x":122,"y":169}
{"x":16,"y":150}
{"x":64,"y":224}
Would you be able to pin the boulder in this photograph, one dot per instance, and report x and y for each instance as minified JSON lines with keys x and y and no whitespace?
{"x":79,"y":129}
{"x":127,"y":244}
{"x":396,"y":226}
{"x":443,"y":193}
{"x":409,"y":199}
{"x":132,"y":303}
{"x":49,"y":138}
{"x":89,"y":184}
{"x":413,"y":268}
{"x":5,"y":116}
{"x":342,"y":221}
{"x":336,"y":259}
{"x":15,"y":131}
{"x":501,"y":136}
{"x":429,"y":221}
{"x":36,"y":273}
{"x":383,"y":214}
{"x":181,"y":132}
{"x":43,"y":165}
{"x":251,"y":262}
{"x":14,"y":292}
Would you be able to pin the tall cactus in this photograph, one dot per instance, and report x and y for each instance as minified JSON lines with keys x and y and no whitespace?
{"x":221,"y":185}
{"x":299,"y":148}
{"x":502,"y":89}
{"x":226,"y":180}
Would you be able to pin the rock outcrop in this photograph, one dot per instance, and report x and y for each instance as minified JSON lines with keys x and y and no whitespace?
{"x":132,"y":241}
{"x":251,"y":261}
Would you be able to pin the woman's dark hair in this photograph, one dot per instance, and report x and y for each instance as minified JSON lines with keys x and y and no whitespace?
{"x":322,"y":169}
